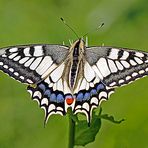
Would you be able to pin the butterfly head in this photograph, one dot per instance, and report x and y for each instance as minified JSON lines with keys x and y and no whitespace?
{"x":78,"y":46}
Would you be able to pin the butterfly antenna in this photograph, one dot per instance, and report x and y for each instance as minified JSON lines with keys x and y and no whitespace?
{"x":100,"y":26}
{"x":69,"y":27}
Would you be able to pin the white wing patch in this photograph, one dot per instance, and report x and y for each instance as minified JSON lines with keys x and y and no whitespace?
{"x":89,"y":73}
{"x":83,"y":84}
{"x":44,"y":65}
{"x":97,"y":71}
{"x":15,"y":49}
{"x":38,"y":51}
{"x":23,"y":60}
{"x":27,"y":51}
{"x":112,"y":66}
{"x":119,"y":65}
{"x":103,"y":67}
{"x":12,"y":55}
{"x":28,"y":63}
{"x":57,"y":73}
{"x":60,"y":85}
{"x":125,"y":64}
{"x":49,"y":70}
{"x":125,"y":55}
{"x":66,"y":88}
{"x":114,"y":54}
{"x":35,"y":64}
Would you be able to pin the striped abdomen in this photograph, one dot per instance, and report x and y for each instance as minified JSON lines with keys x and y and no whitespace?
{"x":74,"y":66}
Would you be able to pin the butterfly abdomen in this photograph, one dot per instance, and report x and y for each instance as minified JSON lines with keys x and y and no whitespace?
{"x":74,"y":67}
{"x":73,"y":71}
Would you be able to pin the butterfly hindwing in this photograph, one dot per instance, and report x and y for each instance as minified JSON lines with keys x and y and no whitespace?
{"x":47,"y":99}
{"x":87,"y":100}
{"x":90,"y":92}
{"x":29,"y":64}
{"x":51,"y":93}
{"x":117,"y":66}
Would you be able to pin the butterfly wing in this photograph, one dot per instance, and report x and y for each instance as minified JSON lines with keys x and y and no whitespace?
{"x":117,"y":66}
{"x":41,"y":67}
{"x":50,"y":93}
{"x":104,"y":69}
{"x":30,"y":64}
{"x":90,"y":91}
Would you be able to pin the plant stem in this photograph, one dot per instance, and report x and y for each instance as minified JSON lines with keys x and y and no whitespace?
{"x":71,"y":130}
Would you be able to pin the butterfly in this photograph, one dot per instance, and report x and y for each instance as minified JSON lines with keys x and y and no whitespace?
{"x":80,"y":77}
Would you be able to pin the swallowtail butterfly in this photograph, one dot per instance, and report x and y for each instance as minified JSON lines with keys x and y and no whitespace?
{"x":80,"y":77}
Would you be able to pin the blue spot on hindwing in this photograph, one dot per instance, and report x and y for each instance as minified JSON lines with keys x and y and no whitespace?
{"x":100,"y":86}
{"x":93,"y":92}
{"x":47,"y":93}
{"x":42,"y":87}
{"x":60,"y":98}
{"x":53,"y":97}
{"x":86,"y":96}
{"x":80,"y":96}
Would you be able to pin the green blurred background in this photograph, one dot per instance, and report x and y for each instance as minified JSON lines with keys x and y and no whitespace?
{"x":35,"y":21}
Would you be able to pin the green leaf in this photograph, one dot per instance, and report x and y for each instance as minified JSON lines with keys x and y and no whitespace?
{"x":72,"y":116}
{"x":110,"y":118}
{"x":85,"y":134}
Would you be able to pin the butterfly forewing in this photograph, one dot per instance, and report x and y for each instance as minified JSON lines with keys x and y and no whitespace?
{"x":30,"y":64}
{"x":117,"y":66}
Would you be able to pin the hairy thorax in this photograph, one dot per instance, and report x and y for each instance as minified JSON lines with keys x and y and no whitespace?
{"x":74,"y":65}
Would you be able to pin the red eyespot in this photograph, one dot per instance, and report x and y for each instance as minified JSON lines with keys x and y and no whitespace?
{"x":69,"y":101}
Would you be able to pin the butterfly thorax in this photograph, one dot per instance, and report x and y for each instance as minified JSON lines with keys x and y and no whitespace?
{"x":75,"y":62}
